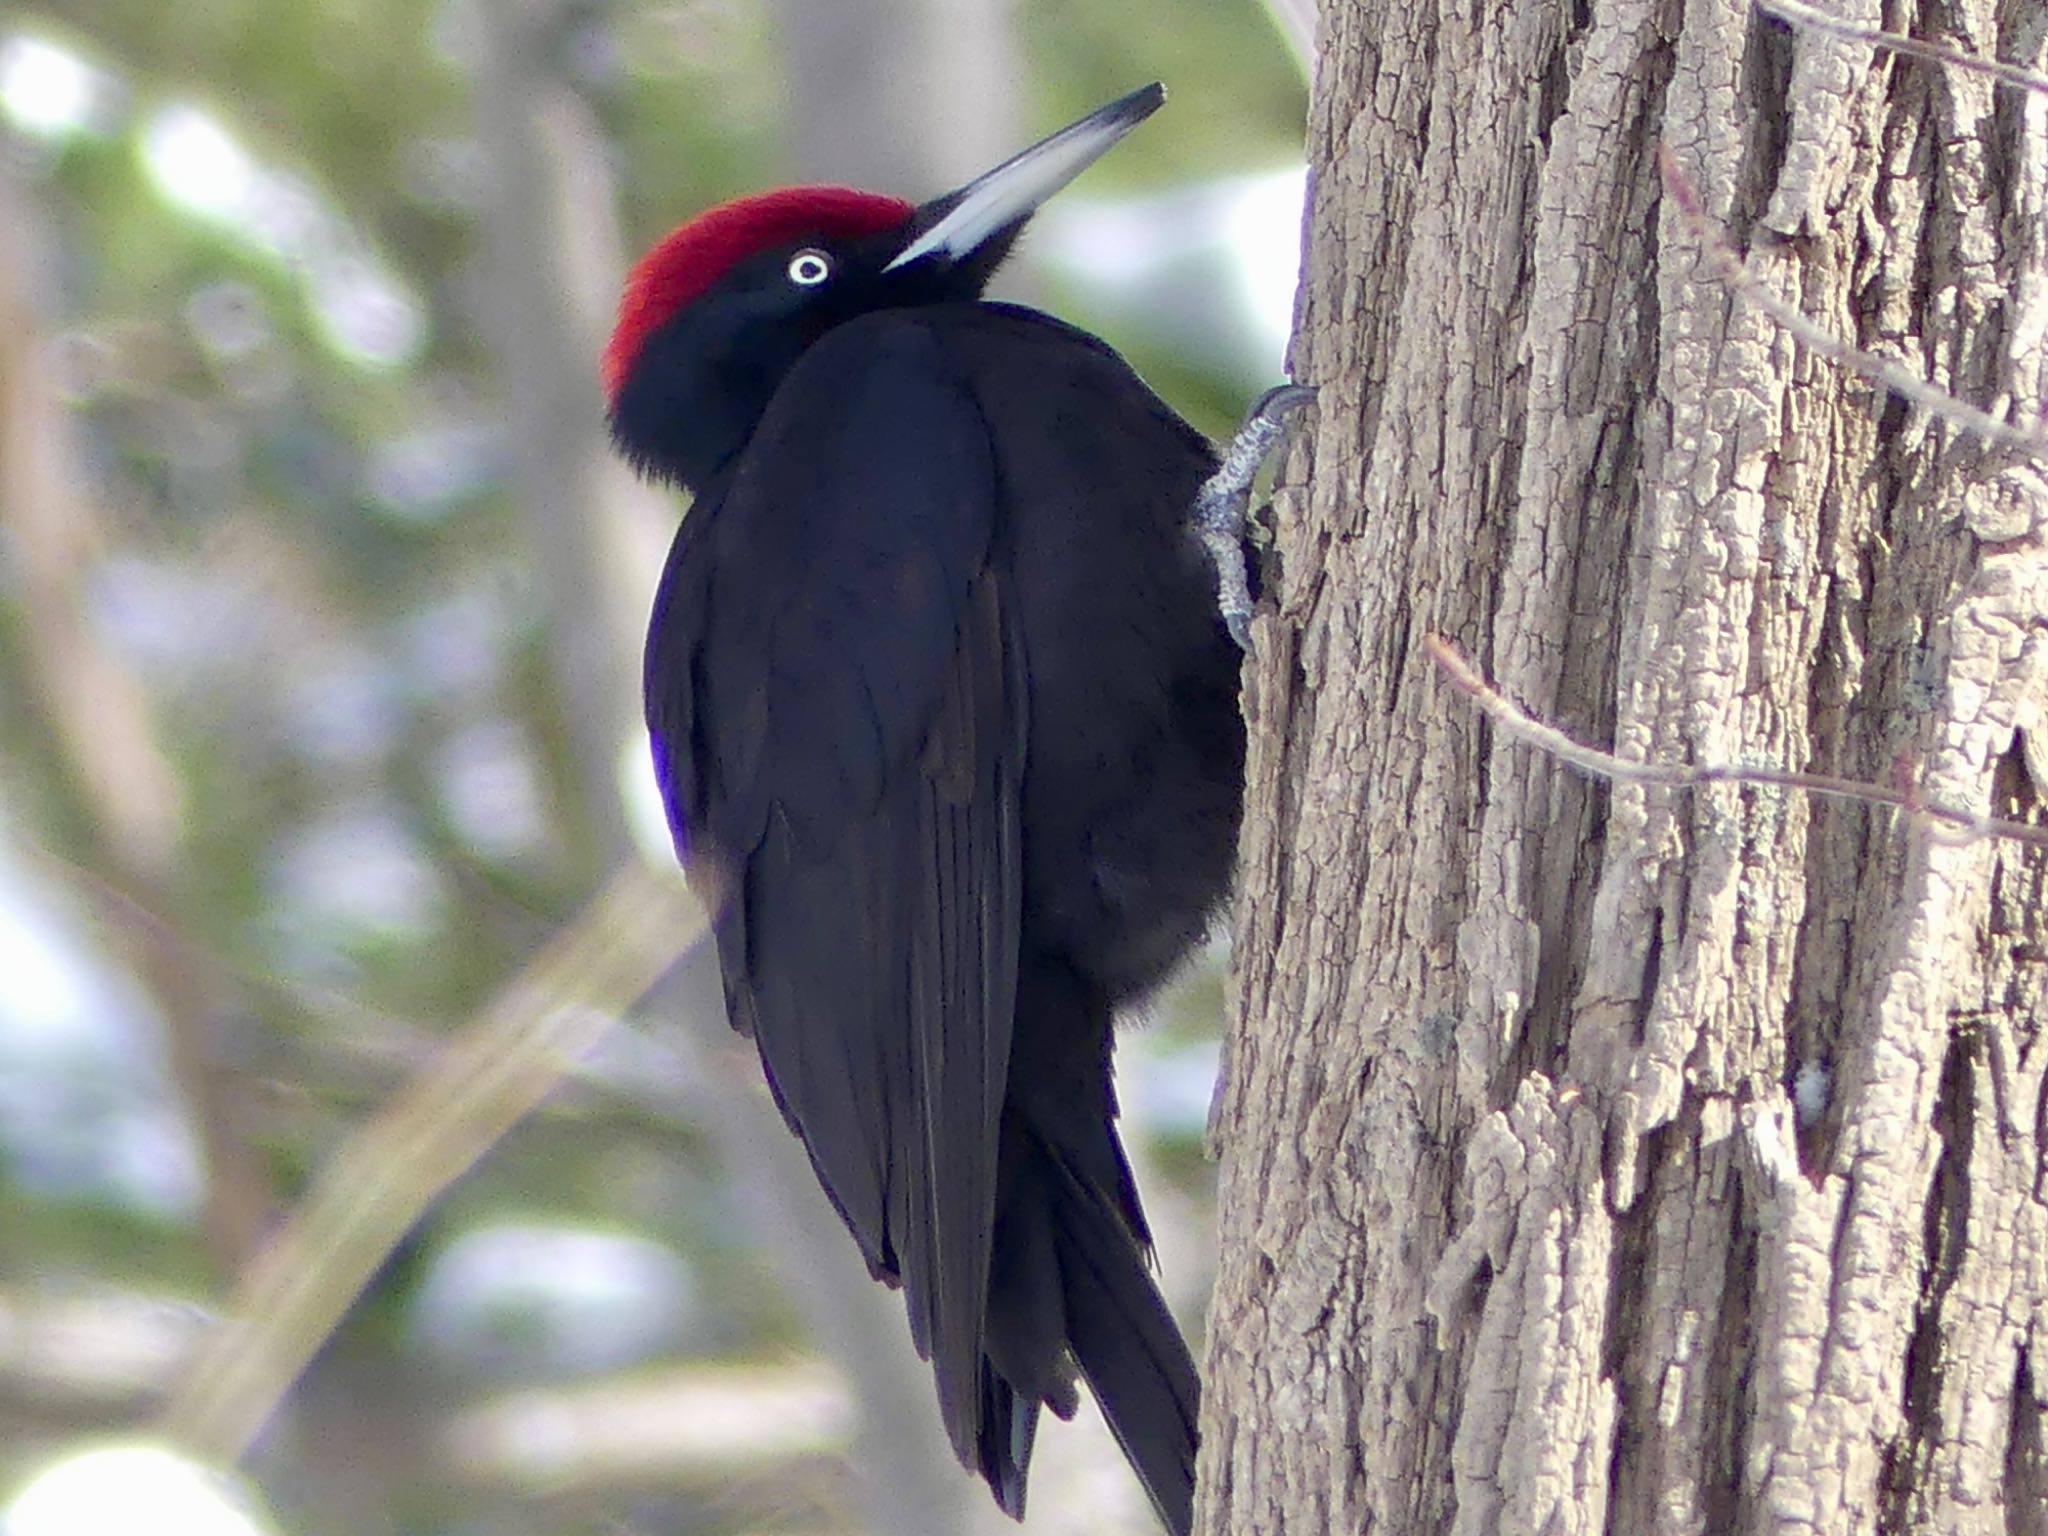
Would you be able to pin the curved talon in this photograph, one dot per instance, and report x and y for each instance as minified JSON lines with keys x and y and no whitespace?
{"x":1221,"y":506}
{"x":1281,"y":402}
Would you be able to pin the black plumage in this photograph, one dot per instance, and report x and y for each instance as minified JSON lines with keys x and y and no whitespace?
{"x":941,"y":706}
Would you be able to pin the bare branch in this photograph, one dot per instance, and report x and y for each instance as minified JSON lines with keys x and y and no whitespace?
{"x":101,"y":727}
{"x":1809,"y":18}
{"x":1736,"y":276}
{"x":1944,"y":821}
{"x":375,"y":1188}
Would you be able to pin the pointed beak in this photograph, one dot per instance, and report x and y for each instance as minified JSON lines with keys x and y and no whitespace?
{"x":962,"y":221}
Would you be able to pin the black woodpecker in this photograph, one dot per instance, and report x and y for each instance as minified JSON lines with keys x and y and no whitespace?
{"x":944,"y":712}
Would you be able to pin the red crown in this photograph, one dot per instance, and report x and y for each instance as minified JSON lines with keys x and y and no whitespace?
{"x":686,"y":264}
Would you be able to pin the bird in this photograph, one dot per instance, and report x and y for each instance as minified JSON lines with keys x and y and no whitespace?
{"x":943,"y":711}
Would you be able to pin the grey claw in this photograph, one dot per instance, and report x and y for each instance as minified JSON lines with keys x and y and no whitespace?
{"x":1222,"y":504}
{"x":1281,"y":402}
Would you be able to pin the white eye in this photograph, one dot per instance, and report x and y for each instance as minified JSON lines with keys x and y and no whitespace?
{"x":807,"y":269}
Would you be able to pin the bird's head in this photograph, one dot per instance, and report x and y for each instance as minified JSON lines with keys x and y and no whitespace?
{"x":717,"y":313}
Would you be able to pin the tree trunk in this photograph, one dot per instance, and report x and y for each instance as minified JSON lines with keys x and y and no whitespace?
{"x":1639,"y":1158}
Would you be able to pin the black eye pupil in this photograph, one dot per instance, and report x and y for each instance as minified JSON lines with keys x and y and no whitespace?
{"x":809,"y":267}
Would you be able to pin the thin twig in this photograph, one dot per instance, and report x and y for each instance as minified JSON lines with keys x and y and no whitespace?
{"x":1949,"y":822}
{"x":1731,"y":270}
{"x":376,"y":1187}
{"x":1813,"y":19}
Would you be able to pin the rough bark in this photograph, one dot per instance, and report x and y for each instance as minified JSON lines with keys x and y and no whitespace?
{"x":1521,"y":1227}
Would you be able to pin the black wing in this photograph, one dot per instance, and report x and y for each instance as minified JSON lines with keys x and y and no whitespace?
{"x":835,"y":695}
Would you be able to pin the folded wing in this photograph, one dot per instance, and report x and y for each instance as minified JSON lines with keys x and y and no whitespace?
{"x":848,"y":764}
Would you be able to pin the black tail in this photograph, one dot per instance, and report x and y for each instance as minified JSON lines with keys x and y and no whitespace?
{"x":1130,"y":1350}
{"x":1071,"y":1287}
{"x":1069,"y":1283}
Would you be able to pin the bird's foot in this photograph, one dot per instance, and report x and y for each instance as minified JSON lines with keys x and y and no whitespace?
{"x":1222,"y":506}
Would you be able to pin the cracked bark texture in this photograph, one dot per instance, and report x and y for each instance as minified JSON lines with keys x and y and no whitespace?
{"x":1639,"y":1160}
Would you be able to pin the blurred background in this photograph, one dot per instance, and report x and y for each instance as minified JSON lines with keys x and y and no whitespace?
{"x":320,"y":610}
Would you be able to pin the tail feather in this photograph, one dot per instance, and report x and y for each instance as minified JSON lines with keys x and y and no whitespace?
{"x":1009,"y":1425}
{"x":1071,"y":1289}
{"x":1130,"y":1351}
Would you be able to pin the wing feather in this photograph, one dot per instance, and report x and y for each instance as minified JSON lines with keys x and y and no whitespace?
{"x":835,"y":692}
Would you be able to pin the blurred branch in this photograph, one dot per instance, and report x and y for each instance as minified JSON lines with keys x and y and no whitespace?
{"x":375,"y":1188}
{"x":348,"y":1047}
{"x":540,"y":154}
{"x":100,"y":721}
{"x":906,"y":96}
{"x":93,"y":702}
